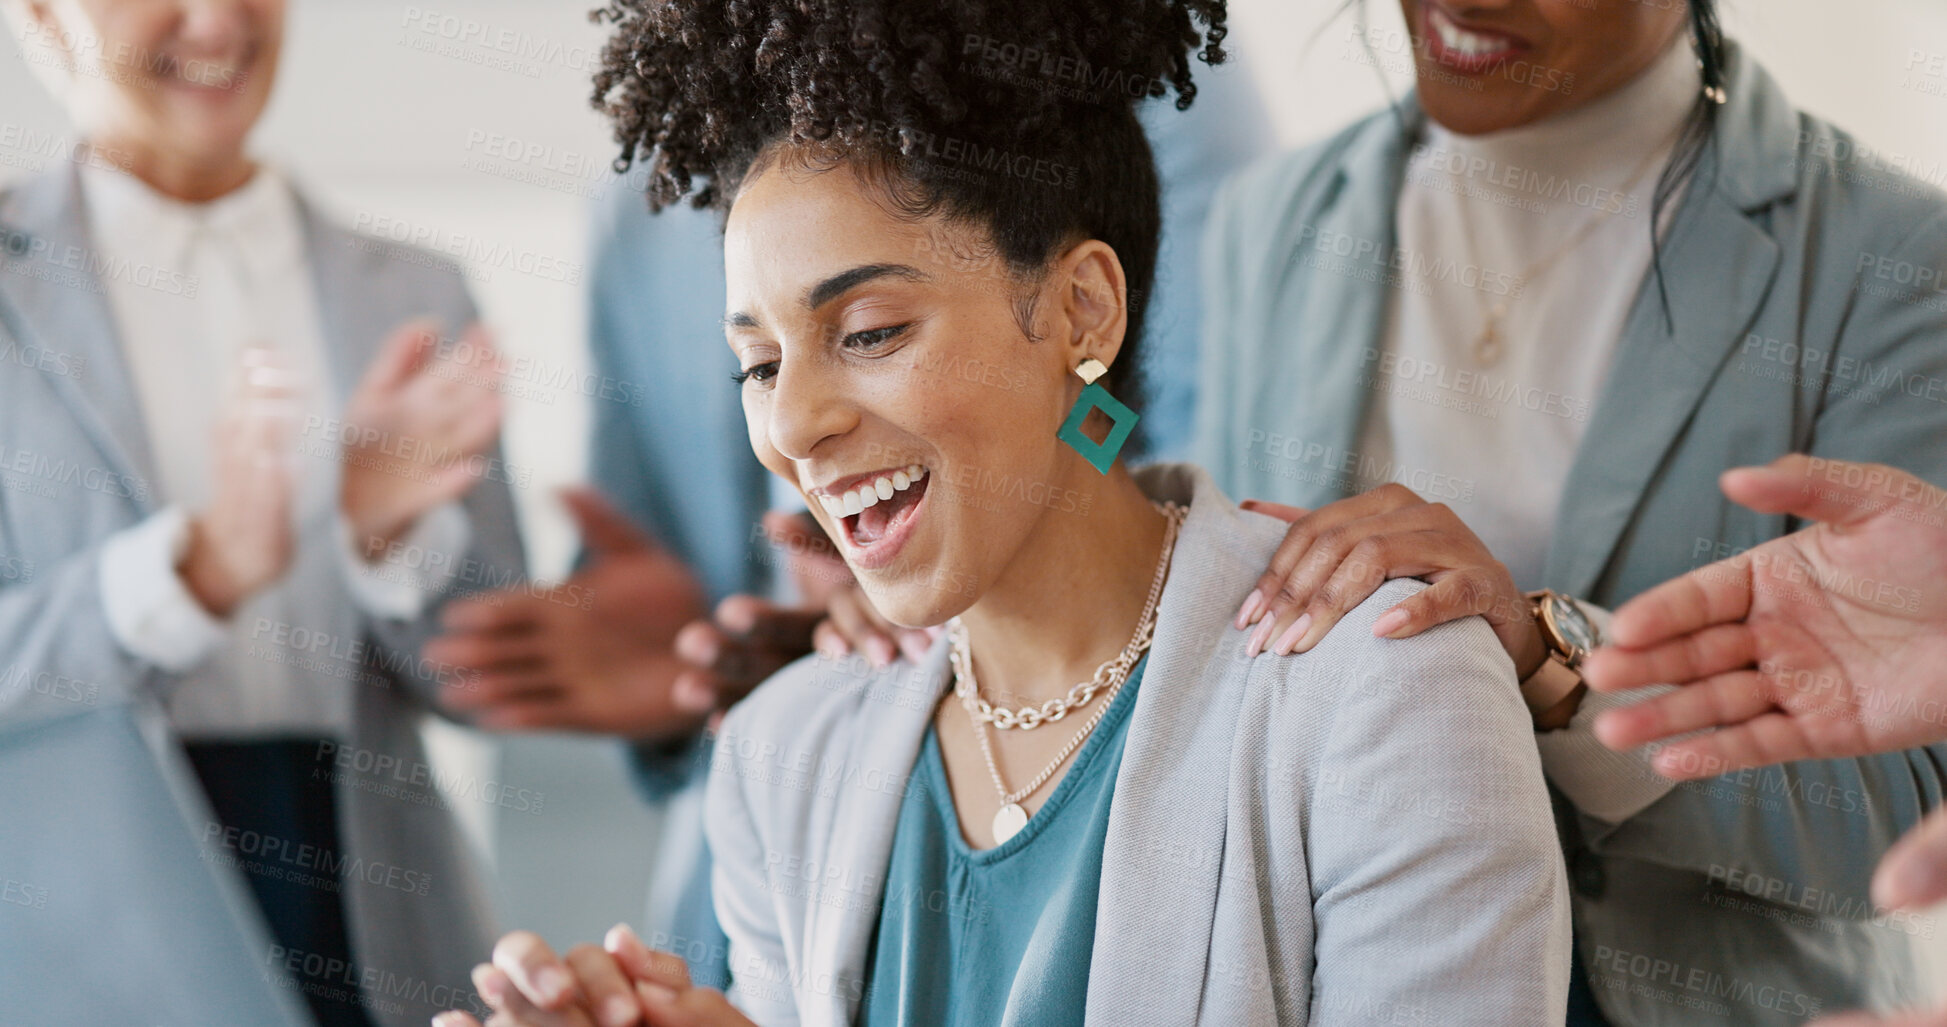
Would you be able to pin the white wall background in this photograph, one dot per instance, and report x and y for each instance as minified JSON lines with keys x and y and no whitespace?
{"x":406,"y":111}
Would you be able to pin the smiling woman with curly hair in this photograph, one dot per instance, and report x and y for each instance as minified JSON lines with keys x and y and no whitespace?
{"x":1088,"y":805}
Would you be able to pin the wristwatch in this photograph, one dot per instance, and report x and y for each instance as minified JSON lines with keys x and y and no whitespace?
{"x":1554,"y":691}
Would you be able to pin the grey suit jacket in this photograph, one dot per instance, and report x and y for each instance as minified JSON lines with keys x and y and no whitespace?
{"x":1357,"y":835}
{"x":1803,"y":318}
{"x":76,"y":467}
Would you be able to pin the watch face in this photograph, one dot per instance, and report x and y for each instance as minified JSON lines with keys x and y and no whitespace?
{"x":1573,"y":625}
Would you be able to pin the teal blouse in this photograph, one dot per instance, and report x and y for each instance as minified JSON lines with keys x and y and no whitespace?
{"x":963,"y":934}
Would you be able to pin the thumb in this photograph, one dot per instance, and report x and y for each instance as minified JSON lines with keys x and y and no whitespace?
{"x":1914,"y":872}
{"x":1834,"y":492}
{"x":1278,"y":510}
{"x":604,"y":529}
{"x":406,"y":350}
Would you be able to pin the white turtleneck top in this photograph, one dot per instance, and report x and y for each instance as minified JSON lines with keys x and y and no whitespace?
{"x":1549,"y":222}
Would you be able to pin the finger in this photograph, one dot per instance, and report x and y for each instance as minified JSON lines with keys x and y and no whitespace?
{"x":915,"y":643}
{"x":767,"y":624}
{"x":604,"y":989}
{"x":536,"y":971}
{"x":1914,"y":872}
{"x":604,"y":529}
{"x":1836,"y":492}
{"x":1356,"y":556}
{"x":514,"y":1009}
{"x":1725,"y":700}
{"x":405,"y":351}
{"x":1272,"y":594}
{"x":509,"y":610}
{"x":643,"y":963}
{"x":850,"y":617}
{"x":482,"y":360}
{"x":481,"y":691}
{"x":507,"y":653}
{"x":696,"y":1007}
{"x":1719,"y":593}
{"x":455,"y":1018}
{"x":1453,"y":595}
{"x":1680,"y":661}
{"x":830,"y":642}
{"x":1282,"y":512}
{"x":1365,"y":567}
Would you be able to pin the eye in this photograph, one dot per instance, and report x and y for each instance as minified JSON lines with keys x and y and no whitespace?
{"x":873,"y":337}
{"x":763,"y":372}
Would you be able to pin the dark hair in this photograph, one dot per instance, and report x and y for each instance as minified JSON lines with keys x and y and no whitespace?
{"x":1016,"y":117}
{"x":1707,"y":39}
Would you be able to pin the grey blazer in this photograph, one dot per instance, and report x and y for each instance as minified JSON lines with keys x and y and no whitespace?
{"x":1808,"y":314}
{"x":1357,"y":835}
{"x":77,"y":467}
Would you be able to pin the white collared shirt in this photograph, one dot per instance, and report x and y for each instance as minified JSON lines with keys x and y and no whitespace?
{"x":1545,"y":219}
{"x":277,"y":666}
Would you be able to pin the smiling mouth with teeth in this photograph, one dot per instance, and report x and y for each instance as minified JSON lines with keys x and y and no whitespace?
{"x":1464,"y":49}
{"x":875,"y":513}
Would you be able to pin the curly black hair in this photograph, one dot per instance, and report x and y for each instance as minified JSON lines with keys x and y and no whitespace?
{"x":1018,"y":116}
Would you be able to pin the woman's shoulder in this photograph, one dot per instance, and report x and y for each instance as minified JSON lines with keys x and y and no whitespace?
{"x":818,"y":705}
{"x":1223,"y":552}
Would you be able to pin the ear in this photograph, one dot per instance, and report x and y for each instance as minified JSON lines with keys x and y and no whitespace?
{"x":1094,"y":302}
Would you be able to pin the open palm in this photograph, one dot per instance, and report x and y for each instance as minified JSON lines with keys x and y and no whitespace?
{"x":1826,"y":643}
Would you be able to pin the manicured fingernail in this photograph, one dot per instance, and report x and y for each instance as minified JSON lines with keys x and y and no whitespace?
{"x":1259,"y":636}
{"x":882,"y":651}
{"x":914,"y":649}
{"x":1249,"y":609}
{"x":1389,"y":622}
{"x":1292,"y":634}
{"x":618,"y":1011}
{"x":554,"y":984}
{"x":446,"y":1020}
{"x":694,"y":695}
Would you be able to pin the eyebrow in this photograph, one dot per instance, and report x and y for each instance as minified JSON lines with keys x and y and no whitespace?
{"x":838,"y":285}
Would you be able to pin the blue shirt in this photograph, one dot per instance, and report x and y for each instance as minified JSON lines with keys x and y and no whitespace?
{"x":965,"y":934}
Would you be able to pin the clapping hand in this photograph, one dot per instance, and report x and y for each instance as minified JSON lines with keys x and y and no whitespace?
{"x":415,"y":431}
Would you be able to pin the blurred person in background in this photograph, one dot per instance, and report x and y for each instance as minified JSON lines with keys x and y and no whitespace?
{"x":1504,"y":336}
{"x":289,"y":471}
{"x":695,"y":593}
{"x":1825,"y":643}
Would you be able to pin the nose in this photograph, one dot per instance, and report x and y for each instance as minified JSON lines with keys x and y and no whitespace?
{"x":809,"y":405}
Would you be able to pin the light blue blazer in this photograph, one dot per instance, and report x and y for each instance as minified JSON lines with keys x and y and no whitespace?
{"x":85,"y":474}
{"x":1358,"y":835}
{"x":1808,"y":314}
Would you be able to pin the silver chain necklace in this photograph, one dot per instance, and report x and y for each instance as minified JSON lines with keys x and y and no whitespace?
{"x":1108,"y":680}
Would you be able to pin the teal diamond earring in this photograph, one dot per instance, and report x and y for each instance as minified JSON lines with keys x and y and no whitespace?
{"x":1101,"y":455}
